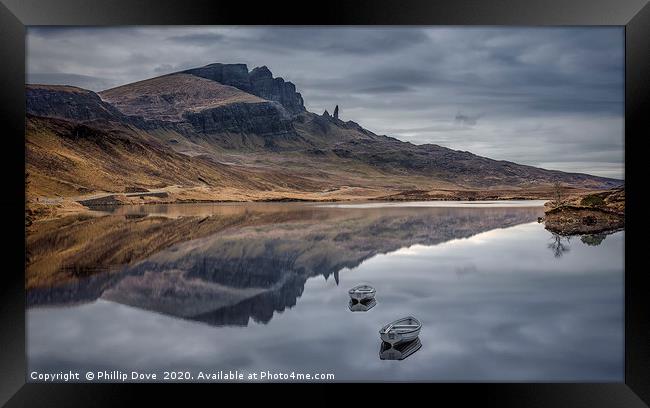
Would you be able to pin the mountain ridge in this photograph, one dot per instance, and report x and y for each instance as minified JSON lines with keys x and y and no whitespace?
{"x":259,"y":82}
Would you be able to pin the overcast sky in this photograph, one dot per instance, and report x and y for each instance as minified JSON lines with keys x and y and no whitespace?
{"x":549,"y":97}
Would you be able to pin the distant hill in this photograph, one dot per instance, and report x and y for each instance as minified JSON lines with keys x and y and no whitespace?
{"x":222,"y":132}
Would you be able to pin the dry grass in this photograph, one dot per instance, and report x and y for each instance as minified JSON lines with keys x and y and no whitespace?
{"x":65,"y":159}
{"x":168,"y":96}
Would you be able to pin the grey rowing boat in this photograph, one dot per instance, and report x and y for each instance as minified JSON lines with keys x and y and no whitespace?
{"x":401,"y":330}
{"x":362,"y":292}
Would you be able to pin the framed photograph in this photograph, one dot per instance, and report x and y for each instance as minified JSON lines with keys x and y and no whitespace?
{"x":443,"y":193}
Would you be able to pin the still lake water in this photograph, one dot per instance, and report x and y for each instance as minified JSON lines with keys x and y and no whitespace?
{"x":500,"y":298}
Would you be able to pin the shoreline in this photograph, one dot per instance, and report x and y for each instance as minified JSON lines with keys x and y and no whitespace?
{"x":304,"y":200}
{"x":596,"y":213}
{"x":37,"y":212}
{"x":571,"y":217}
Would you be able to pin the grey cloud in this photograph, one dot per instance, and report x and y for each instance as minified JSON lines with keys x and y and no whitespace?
{"x":403,"y":74}
{"x":170,"y":68}
{"x":164,"y":68}
{"x":81,"y":81}
{"x":198,"y":38}
{"x":468,"y":120}
{"x":381,"y":89}
{"x":338,"y":40}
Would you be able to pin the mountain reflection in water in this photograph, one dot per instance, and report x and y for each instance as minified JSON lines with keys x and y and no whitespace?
{"x":253,"y":271}
{"x":265,"y":287}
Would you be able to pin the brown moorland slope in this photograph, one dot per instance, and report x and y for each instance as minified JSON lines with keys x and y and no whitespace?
{"x":71,"y":159}
{"x":168,"y":97}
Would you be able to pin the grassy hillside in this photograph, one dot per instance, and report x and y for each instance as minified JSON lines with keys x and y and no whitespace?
{"x":168,"y":97}
{"x":67,"y":158}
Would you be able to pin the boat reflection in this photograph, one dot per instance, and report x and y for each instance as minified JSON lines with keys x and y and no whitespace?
{"x":399,"y":351}
{"x":362,"y":306}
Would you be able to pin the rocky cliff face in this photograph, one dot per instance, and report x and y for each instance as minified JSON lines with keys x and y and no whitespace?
{"x":275,"y":89}
{"x":214,"y":115}
{"x":258,"y":118}
{"x":228,"y":74}
{"x":68,"y":102}
{"x":259,"y":82}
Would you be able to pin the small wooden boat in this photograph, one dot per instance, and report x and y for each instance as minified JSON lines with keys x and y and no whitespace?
{"x":362,"y":306}
{"x":399,"y":351}
{"x":401,"y":330}
{"x":362,"y":292}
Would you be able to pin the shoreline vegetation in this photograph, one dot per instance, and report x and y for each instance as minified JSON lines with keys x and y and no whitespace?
{"x":591,"y":213}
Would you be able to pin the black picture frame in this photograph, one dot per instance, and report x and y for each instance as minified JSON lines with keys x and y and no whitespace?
{"x":633,"y":14}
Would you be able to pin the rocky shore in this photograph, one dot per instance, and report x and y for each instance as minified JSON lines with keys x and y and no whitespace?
{"x":587,"y":214}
